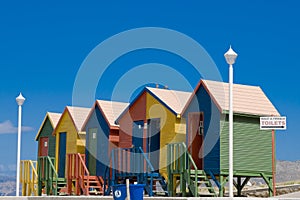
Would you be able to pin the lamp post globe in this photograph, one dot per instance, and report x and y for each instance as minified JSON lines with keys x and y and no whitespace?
{"x":20,"y":99}
{"x":230,"y":57}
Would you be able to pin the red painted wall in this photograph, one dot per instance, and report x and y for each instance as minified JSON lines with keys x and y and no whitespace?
{"x":136,"y":112}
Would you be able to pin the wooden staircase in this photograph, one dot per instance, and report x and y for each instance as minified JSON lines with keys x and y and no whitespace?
{"x":196,"y":179}
{"x":48,"y":181}
{"x":159,"y":184}
{"x":29,"y":178}
{"x":182,"y":166}
{"x":133,"y":164}
{"x":78,"y":175}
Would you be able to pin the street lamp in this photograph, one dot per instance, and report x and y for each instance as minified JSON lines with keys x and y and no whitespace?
{"x":20,"y":100}
{"x":230,"y":57}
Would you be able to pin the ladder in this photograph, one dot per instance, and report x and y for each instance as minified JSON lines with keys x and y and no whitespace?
{"x":29,"y":178}
{"x":77,"y":173}
{"x":182,"y":166}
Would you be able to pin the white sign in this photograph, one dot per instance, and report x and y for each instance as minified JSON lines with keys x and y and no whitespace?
{"x":118,"y":193}
{"x":273,"y":123}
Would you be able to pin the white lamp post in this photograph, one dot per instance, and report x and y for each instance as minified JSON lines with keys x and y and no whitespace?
{"x":230,"y":57}
{"x":20,"y":100}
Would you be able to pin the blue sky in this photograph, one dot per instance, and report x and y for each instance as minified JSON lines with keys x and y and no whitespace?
{"x":43,"y":44}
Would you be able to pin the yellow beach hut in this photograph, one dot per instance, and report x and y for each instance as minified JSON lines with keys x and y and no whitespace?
{"x":69,"y":138}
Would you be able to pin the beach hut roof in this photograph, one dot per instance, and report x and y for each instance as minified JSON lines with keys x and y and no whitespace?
{"x":248,"y":100}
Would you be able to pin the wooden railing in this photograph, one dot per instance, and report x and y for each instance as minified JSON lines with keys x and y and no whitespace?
{"x":29,"y":178}
{"x":131,"y":162}
{"x":78,"y":172}
{"x":180,"y":161}
{"x":47,"y":175}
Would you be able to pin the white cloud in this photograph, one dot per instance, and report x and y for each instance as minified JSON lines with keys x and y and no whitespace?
{"x":7,"y":168}
{"x":7,"y":127}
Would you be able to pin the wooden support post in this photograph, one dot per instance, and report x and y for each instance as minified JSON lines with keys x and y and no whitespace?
{"x":183,"y":184}
{"x":269,"y":182}
{"x":221,"y":188}
{"x":239,"y":186}
{"x":245,"y":182}
{"x":271,"y":191}
{"x":39,"y":177}
{"x":170,"y":171}
{"x":183,"y":161}
{"x":273,"y":163}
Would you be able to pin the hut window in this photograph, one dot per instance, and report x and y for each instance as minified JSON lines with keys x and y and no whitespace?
{"x":94,"y":135}
{"x":45,"y":144}
{"x":201,"y":124}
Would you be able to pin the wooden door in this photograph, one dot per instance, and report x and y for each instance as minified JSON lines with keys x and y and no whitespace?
{"x":92,"y":150}
{"x":137,"y":133}
{"x":43,"y":146}
{"x":153,"y":142}
{"x":195,"y":137}
{"x":62,"y":154}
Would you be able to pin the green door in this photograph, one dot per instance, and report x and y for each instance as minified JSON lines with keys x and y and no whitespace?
{"x":92,"y":151}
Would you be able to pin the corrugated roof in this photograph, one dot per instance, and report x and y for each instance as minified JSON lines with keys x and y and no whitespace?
{"x":246,"y":99}
{"x":53,"y":117}
{"x":112,"y":110}
{"x":78,"y":115}
{"x":175,"y":100}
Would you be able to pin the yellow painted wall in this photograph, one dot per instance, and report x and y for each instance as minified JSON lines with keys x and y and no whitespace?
{"x":74,"y":144}
{"x":173,"y":129}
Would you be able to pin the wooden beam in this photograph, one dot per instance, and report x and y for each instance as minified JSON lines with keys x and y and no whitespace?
{"x":245,"y":182}
{"x":269,"y":183}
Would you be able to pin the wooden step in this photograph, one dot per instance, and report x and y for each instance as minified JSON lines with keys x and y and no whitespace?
{"x":200,"y":172}
{"x":91,"y":177}
{"x":206,"y":194}
{"x":91,"y":181}
{"x":199,"y":177}
{"x":95,"y":192}
{"x":92,"y":186}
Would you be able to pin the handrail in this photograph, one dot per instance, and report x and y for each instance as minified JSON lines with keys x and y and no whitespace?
{"x":106,"y":182}
{"x":84,"y":172}
{"x":147,"y":160}
{"x":47,"y":174}
{"x":28,"y":177}
{"x":131,"y":162}
{"x":181,"y":161}
{"x":83,"y":164}
{"x":77,"y":170}
{"x":33,"y":167}
{"x":52,"y":166}
{"x":124,"y":165}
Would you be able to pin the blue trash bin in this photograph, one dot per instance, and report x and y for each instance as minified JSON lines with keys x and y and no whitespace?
{"x":136,"y":191}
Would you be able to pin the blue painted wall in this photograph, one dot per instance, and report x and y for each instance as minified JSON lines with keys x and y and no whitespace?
{"x":98,"y":121}
{"x":203,"y":103}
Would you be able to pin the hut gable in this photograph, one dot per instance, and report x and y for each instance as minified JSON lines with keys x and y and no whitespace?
{"x":111,"y":110}
{"x":172,"y":99}
{"x":78,"y":115}
{"x":53,"y":118}
{"x":247,"y":100}
{"x":46,"y":142}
